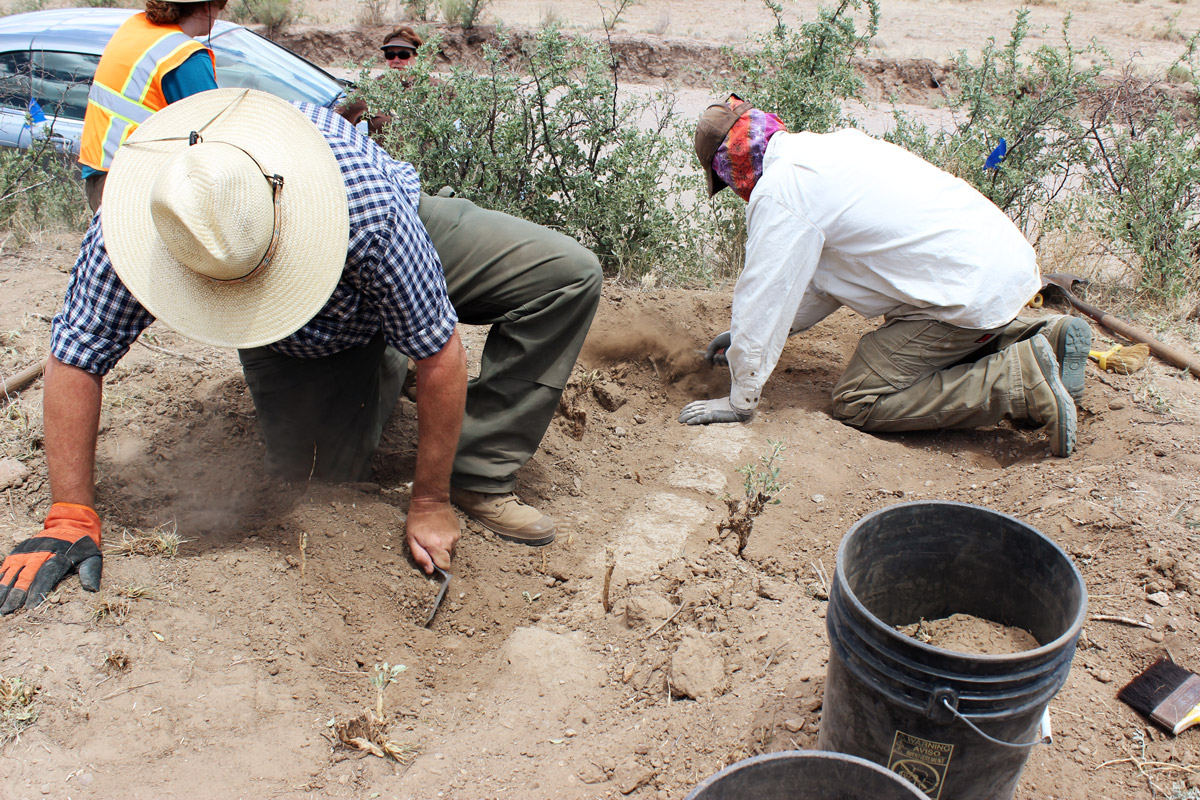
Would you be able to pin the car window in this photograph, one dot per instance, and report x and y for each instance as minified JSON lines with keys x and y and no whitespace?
{"x":247,"y":60}
{"x":14,"y":80}
{"x":61,"y":81}
{"x":58,"y":81}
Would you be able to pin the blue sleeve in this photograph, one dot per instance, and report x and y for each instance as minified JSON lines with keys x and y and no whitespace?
{"x":193,"y":76}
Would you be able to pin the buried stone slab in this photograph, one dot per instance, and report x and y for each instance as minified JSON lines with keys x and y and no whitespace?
{"x":655,"y":536}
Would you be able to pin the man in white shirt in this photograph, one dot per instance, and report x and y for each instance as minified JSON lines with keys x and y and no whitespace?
{"x":843,"y":219}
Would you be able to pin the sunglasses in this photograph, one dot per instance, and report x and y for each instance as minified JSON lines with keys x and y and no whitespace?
{"x":403,"y":55}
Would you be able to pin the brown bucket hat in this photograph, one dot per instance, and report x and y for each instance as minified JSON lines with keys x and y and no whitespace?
{"x":712,"y":129}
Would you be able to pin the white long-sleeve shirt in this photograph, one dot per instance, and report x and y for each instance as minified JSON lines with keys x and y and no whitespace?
{"x":843,"y":219}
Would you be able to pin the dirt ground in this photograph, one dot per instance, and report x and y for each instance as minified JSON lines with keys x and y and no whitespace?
{"x":633,"y":657}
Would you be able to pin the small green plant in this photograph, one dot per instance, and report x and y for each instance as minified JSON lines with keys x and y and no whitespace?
{"x":18,"y":707}
{"x":274,"y":15}
{"x":384,"y":676}
{"x":760,"y":488}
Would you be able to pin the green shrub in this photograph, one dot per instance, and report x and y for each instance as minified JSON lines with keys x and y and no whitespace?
{"x":39,"y":189}
{"x":274,"y":15}
{"x":804,"y":75}
{"x":1032,"y":101}
{"x":547,"y":139}
{"x":464,"y":13}
{"x":417,"y":9}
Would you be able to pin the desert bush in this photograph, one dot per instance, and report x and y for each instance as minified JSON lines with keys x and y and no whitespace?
{"x":274,"y":15}
{"x":545,"y":138}
{"x":372,"y":12}
{"x":1031,"y":100}
{"x":464,"y":13}
{"x":1144,"y":192}
{"x":804,"y":75}
{"x":417,"y":9}
{"x":39,"y":189}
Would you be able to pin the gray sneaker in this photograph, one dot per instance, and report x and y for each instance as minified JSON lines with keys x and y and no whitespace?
{"x":1071,"y":338}
{"x":1047,"y":398}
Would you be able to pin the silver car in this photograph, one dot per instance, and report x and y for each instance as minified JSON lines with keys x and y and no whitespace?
{"x":48,"y":58}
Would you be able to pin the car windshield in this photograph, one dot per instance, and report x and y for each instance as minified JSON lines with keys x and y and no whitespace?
{"x":245,"y":59}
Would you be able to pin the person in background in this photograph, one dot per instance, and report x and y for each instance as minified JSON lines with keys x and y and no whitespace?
{"x":152,"y":60}
{"x":399,"y":49}
{"x":844,"y":219}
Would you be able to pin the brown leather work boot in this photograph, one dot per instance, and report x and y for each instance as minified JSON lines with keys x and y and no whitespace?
{"x":506,"y":516}
{"x":1046,"y":398}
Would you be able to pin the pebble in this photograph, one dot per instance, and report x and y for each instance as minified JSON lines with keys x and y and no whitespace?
{"x":1159,"y":599}
{"x":1156,"y":636}
{"x":818,"y":498}
{"x":1104,"y":676}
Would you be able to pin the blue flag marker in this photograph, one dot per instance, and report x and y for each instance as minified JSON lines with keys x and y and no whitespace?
{"x":997,"y":155}
{"x":35,"y":112}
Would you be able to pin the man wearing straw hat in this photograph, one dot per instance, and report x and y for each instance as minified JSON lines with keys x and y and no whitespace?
{"x":843,"y":219}
{"x":243,"y":221}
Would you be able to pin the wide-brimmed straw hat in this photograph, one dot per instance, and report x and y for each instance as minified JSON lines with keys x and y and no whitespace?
{"x":225,"y":215}
{"x":711,"y":131}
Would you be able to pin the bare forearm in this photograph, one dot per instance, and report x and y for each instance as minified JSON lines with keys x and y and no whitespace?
{"x":441,"y":397}
{"x":71,"y":408}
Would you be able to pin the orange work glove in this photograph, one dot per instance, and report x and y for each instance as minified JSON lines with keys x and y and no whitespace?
{"x":69,"y":539}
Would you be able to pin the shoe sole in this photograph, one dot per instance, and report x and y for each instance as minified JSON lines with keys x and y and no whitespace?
{"x":1072,"y":344}
{"x":1064,"y":442}
{"x":508,"y":537}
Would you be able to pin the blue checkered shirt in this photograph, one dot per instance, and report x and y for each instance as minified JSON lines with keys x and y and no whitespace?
{"x":392,"y":281}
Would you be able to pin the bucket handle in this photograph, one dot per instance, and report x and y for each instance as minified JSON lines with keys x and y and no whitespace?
{"x":1045,"y":738}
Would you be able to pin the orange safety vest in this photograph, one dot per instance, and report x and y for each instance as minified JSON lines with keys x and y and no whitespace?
{"x":127,"y":88}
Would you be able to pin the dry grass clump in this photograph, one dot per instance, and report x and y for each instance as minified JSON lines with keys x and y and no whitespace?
{"x":161,"y":541}
{"x":18,"y":707}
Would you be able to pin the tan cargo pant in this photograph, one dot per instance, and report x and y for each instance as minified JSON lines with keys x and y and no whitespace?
{"x":538,"y":290}
{"x":910,"y":375}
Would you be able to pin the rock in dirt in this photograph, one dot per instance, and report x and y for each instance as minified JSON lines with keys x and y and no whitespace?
{"x":12,"y":473}
{"x":1159,"y":599}
{"x":609,"y":395}
{"x":647,"y":608}
{"x":697,"y":669}
{"x":630,"y":775}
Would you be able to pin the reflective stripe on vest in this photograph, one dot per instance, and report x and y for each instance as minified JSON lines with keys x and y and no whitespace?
{"x":126,"y":108}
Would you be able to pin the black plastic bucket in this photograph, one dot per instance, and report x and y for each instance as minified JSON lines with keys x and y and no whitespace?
{"x":959,"y":726}
{"x":804,"y":775}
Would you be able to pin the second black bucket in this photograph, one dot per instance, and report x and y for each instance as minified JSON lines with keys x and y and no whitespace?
{"x":804,"y":775}
{"x":959,"y":726}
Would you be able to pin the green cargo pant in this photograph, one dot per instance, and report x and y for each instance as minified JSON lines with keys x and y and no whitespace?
{"x":910,"y":375}
{"x":538,"y":290}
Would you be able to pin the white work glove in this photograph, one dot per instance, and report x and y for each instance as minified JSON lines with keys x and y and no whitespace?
{"x":703,"y":412}
{"x":717,"y":348}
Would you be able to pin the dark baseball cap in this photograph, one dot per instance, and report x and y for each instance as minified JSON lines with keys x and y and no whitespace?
{"x":711,"y":131}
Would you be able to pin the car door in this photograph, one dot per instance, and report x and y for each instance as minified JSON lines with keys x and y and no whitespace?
{"x":43,"y":94}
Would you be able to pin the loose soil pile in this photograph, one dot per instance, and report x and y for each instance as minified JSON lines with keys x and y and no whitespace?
{"x":633,"y":657}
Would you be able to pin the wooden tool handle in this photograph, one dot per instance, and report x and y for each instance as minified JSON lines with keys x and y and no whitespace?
{"x":1172,"y":355}
{"x":10,"y":386}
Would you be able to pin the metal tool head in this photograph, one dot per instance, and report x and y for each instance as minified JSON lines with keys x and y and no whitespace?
{"x":437,"y":601}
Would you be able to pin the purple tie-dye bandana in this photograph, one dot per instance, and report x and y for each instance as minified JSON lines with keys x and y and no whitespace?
{"x":739,"y":159}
